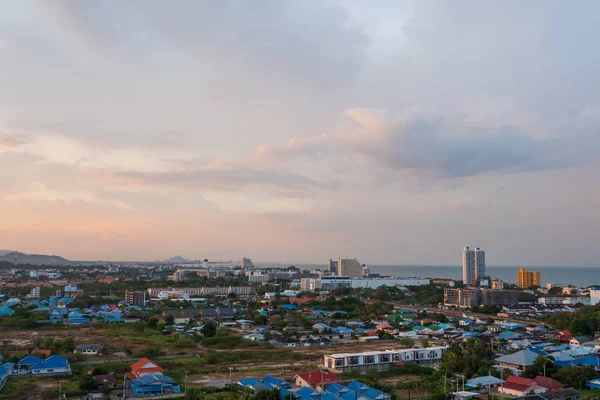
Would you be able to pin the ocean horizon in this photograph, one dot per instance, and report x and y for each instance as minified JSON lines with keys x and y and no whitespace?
{"x":577,"y":276}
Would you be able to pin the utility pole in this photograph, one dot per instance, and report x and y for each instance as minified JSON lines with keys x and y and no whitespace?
{"x":186,"y":382}
{"x":59,"y":389}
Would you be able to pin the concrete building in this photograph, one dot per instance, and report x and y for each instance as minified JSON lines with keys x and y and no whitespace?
{"x":490,"y":297}
{"x":527,"y":279}
{"x":69,"y":291}
{"x":474,"y":297}
{"x":35,"y":293}
{"x":247,"y":263}
{"x":468,"y":297}
{"x":595,"y":295}
{"x":350,"y":267}
{"x":257,"y":276}
{"x":385,"y":359}
{"x":468,"y":266}
{"x":497,"y":284}
{"x":200,"y":291}
{"x":332,"y":282}
{"x":479,"y":258}
{"x":333,"y":267}
{"x":135,"y":298}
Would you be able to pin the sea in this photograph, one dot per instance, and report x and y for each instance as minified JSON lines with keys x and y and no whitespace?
{"x":577,"y":276}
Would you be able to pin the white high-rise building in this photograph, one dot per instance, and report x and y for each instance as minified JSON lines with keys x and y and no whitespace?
{"x":468,"y":265}
{"x":479,"y":264}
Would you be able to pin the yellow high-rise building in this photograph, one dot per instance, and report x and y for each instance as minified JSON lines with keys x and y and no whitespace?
{"x":527,"y":279}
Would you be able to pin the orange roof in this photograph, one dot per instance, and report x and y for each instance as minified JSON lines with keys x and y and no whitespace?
{"x":42,"y":352}
{"x":145,"y":366}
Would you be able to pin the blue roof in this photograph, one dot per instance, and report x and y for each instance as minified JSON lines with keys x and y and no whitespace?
{"x":152,"y":379}
{"x":291,"y":306}
{"x":30,"y":360}
{"x":357,"y":386}
{"x":589,"y":360}
{"x":280,"y":383}
{"x":305,"y":391}
{"x":54,"y":361}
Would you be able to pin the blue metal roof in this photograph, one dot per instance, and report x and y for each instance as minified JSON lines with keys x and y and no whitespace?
{"x":54,"y":361}
{"x":29,"y":360}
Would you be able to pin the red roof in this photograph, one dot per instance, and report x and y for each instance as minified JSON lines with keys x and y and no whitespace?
{"x":549,"y":383}
{"x":316,"y":378}
{"x":145,"y":366}
{"x":566,"y":334}
{"x":520,"y":380}
{"x":516,"y":386}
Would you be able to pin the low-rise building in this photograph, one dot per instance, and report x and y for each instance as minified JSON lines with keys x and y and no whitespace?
{"x":383,"y":359}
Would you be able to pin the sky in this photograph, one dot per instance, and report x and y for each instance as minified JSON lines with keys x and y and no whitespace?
{"x":394,"y":132}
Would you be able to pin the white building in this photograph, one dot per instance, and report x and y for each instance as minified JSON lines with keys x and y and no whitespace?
{"x":468,"y":265}
{"x":383,"y":359}
{"x":35,"y":292}
{"x":257,"y":276}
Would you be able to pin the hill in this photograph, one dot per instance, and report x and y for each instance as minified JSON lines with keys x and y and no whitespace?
{"x":39,"y":259}
{"x":176,"y":259}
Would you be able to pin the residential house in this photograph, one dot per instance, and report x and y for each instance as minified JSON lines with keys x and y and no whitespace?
{"x":89,"y":349}
{"x":517,"y":361}
{"x":41,"y":352}
{"x":563,"y":335}
{"x":579,"y":340}
{"x":563,"y":394}
{"x":153,"y":384}
{"x":312,"y":379}
{"x":52,"y":365}
{"x":518,"y":386}
{"x":24,"y":365}
{"x":106,"y":380}
{"x":144,"y":367}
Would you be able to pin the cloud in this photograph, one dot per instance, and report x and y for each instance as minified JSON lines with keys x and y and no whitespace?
{"x":228,"y":177}
{"x":310,"y":40}
{"x":45,"y":194}
{"x":294,"y":147}
{"x":10,"y":141}
{"x":442,"y":146}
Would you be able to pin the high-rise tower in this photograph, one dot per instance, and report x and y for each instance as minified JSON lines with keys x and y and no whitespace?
{"x":468,"y":265}
{"x":479,"y":264}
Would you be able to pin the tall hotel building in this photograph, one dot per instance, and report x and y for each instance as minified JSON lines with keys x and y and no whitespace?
{"x":473,"y":265}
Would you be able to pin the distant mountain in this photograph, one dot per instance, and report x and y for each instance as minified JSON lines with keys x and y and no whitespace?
{"x":176,"y":259}
{"x":40,"y":259}
{"x":5,"y":252}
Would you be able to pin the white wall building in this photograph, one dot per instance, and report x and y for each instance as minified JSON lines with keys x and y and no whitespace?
{"x":345,"y":361}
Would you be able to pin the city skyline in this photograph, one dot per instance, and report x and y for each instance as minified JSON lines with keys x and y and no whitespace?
{"x":394,"y":132}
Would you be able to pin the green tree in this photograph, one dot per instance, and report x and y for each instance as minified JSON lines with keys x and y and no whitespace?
{"x":541,"y":365}
{"x":574,"y":376}
{"x":153,"y":322}
{"x":209,"y":329}
{"x":424,"y":343}
{"x":169,"y":320}
{"x":88,"y":383}
{"x":406,"y":341}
